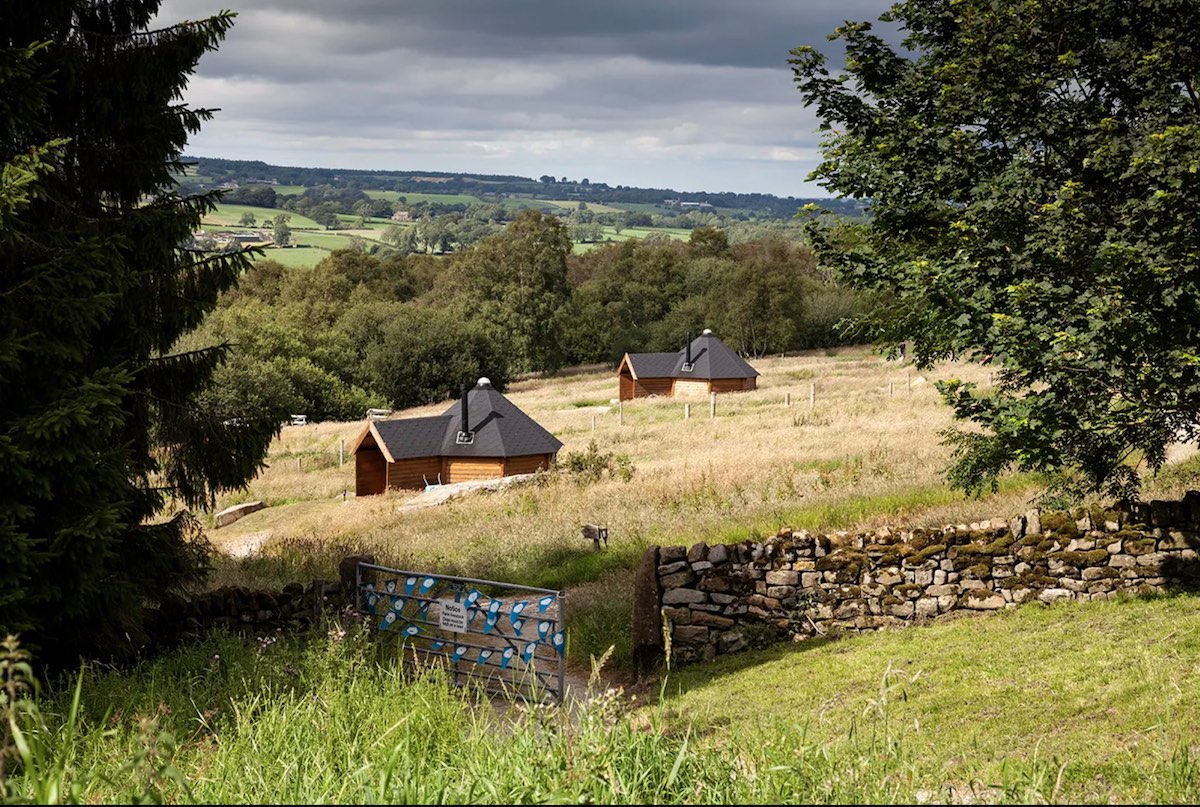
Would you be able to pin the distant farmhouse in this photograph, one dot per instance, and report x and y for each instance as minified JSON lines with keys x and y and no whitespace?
{"x":230,"y":241}
{"x":498,"y":439}
{"x":704,"y":365}
{"x":681,"y":205}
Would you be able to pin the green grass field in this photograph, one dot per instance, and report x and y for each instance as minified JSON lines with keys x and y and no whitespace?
{"x":306,"y":257}
{"x":573,"y":205}
{"x":331,"y":239}
{"x":1090,"y":703}
{"x":610,"y":234}
{"x":413,"y":198}
{"x":372,"y":223}
{"x":228,"y":216}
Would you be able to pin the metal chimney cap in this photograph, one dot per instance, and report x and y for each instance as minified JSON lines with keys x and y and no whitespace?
{"x":484,"y":381}
{"x":707,"y":332}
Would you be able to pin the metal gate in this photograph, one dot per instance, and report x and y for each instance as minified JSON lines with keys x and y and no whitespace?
{"x":502,"y":637}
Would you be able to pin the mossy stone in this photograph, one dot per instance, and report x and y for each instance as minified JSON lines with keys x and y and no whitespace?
{"x":917,"y":558}
{"x":1139,"y":546}
{"x":1084,"y":559}
{"x":999,"y":546}
{"x":1060,"y":523}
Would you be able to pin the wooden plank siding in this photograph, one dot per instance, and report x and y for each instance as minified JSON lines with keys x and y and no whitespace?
{"x":734,"y":384}
{"x":370,"y":471}
{"x":627,"y":388}
{"x":646,"y":387}
{"x":412,"y":474}
{"x":685,"y":388}
{"x":528,"y":464}
{"x":464,"y":469}
{"x":691,"y":389}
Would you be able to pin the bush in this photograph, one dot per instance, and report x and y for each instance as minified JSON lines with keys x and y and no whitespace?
{"x":589,"y":466}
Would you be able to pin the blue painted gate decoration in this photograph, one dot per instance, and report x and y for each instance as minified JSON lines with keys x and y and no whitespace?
{"x":503,"y":637}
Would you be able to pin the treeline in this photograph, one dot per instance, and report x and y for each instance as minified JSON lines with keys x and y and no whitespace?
{"x":217,"y":171}
{"x":362,"y":330}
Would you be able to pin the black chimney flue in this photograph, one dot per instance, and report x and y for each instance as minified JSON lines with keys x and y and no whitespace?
{"x":466,"y":423}
{"x":688,"y":358}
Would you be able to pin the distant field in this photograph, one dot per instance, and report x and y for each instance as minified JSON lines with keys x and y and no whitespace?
{"x":572,"y":205}
{"x":331,"y":239}
{"x":228,"y":215}
{"x":678,"y":233}
{"x":525,"y":203}
{"x":295,"y":256}
{"x":639,"y":207}
{"x":413,"y":198}
{"x":311,"y":246}
{"x":611,"y":235}
{"x":373,"y":222}
{"x":288,"y":190}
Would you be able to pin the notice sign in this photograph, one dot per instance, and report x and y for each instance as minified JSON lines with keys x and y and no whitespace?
{"x":453,"y":616}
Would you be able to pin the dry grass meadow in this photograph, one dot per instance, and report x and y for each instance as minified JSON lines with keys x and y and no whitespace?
{"x":865,"y":452}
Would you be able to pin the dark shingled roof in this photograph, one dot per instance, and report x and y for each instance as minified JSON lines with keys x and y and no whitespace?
{"x":501,"y":430}
{"x":413,"y":437}
{"x":710,"y":359}
{"x":653,"y":365}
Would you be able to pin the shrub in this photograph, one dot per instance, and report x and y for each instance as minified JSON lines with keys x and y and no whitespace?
{"x":589,"y":466}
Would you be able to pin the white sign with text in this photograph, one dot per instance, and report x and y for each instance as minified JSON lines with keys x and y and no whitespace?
{"x":452,"y":616}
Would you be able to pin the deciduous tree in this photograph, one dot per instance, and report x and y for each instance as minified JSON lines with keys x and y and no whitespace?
{"x":1033,"y":174}
{"x":515,"y":285}
{"x":281,"y":232}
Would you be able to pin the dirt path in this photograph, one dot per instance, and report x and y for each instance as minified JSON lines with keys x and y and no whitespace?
{"x":245,"y":545}
{"x":440,"y":494}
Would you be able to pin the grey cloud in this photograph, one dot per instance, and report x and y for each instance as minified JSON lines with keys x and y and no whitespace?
{"x":698,"y":90}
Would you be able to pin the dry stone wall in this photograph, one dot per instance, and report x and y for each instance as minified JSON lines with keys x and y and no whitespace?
{"x":297,"y":605}
{"x":723,"y":599}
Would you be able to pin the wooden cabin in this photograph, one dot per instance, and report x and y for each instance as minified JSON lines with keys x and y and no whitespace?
{"x":498,"y":440}
{"x":704,"y":365}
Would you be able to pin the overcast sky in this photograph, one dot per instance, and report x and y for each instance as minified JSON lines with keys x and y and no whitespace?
{"x":684,"y":94}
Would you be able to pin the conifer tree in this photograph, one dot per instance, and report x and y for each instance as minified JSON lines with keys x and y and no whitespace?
{"x":104,"y":450}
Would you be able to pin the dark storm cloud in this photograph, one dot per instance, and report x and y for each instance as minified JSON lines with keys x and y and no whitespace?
{"x":693,"y":94}
{"x":741,"y":33}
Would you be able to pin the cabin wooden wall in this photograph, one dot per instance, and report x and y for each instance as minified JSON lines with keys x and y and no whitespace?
{"x":734,"y":384}
{"x":626,"y":390}
{"x":412,"y":474}
{"x":527,"y":464}
{"x":691,"y":389}
{"x":644,"y":388}
{"x":464,"y":469}
{"x":370,"y":471}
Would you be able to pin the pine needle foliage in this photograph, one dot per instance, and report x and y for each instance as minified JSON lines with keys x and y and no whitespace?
{"x":100,"y":429}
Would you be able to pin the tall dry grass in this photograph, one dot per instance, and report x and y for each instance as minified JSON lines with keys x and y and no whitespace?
{"x":864,"y":452}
